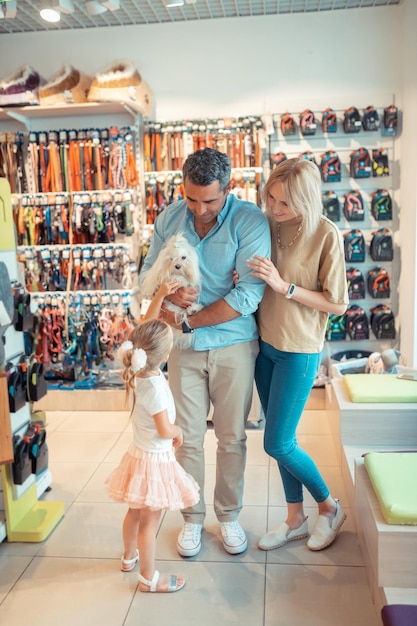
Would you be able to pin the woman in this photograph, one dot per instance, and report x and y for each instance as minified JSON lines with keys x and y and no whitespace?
{"x":306,"y":281}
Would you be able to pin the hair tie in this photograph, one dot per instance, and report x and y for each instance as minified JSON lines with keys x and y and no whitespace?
{"x":125,"y":347}
{"x":139,"y":358}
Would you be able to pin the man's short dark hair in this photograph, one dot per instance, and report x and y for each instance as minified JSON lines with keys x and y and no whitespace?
{"x":205,"y":166}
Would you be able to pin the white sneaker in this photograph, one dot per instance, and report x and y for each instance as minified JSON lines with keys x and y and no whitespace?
{"x":189,"y":539}
{"x":234,"y":537}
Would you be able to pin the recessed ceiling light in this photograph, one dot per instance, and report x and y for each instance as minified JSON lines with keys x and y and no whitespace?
{"x":51,"y":9}
{"x":173,"y":3}
{"x":48,"y":12}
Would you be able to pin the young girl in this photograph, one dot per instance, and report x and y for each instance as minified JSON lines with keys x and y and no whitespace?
{"x":148,"y":478}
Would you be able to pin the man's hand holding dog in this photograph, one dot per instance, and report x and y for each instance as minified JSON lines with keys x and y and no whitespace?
{"x":183,"y":297}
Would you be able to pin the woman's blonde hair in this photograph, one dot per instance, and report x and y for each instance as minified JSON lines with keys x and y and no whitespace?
{"x":155,"y":338}
{"x":302,"y":182}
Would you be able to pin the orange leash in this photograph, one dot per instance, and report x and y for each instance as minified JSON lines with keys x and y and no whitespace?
{"x":132,"y":176}
{"x":42,"y":160}
{"x":158,"y":151}
{"x":88,"y":165}
{"x":75,"y":166}
{"x":99,"y":184}
{"x":148,"y":146}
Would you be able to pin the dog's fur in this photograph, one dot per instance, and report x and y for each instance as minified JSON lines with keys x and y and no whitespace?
{"x":177,"y":261}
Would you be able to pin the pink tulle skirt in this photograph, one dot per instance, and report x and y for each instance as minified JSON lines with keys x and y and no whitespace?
{"x":154,"y":480}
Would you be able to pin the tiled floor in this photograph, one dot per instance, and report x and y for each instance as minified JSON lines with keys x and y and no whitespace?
{"x":73,"y":578}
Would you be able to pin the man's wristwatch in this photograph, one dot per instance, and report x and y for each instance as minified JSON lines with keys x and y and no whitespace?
{"x":185,"y":327}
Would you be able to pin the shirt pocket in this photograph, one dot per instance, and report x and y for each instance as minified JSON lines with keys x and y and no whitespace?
{"x":219,"y":258}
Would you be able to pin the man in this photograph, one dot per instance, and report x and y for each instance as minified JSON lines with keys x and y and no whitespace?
{"x":218,"y":368}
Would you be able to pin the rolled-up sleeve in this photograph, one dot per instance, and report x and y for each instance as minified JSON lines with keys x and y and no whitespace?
{"x":254,"y":238}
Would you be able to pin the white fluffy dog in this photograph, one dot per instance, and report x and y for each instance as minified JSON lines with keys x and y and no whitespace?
{"x":178,"y":261}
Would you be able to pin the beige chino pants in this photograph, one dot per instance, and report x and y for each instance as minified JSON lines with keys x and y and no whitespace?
{"x":223,"y":377}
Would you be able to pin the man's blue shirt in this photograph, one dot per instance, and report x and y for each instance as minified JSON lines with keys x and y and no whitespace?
{"x":241,"y":231}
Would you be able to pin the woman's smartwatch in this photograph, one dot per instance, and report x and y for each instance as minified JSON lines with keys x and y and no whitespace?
{"x":290,"y":291}
{"x":185,"y":327}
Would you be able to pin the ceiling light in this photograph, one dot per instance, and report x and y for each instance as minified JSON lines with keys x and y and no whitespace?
{"x":51,"y":9}
{"x":173,"y":3}
{"x":48,"y":12}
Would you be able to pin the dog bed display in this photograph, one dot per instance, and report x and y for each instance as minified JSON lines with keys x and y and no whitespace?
{"x":121,"y":82}
{"x":380,"y":388}
{"x":68,"y":85}
{"x":20,"y":88}
{"x":393,"y":478}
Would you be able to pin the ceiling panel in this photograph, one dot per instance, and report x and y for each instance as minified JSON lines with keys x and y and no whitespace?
{"x":131,"y":12}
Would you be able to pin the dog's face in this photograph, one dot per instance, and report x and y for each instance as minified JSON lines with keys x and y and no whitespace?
{"x":179,"y":259}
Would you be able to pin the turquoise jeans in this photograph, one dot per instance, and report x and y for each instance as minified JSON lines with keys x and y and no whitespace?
{"x":284,"y":381}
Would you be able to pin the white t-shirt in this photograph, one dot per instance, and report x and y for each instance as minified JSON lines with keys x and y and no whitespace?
{"x":153,"y":395}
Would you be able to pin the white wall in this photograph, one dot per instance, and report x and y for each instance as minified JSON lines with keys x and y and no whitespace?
{"x":236,"y":66}
{"x":242,"y":66}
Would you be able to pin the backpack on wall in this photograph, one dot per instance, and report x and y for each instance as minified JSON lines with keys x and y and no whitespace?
{"x":381,"y":247}
{"x":370,"y":118}
{"x":381,"y":205}
{"x":354,"y":245}
{"x":379,"y":283}
{"x":355,"y":283}
{"x":330,"y":168}
{"x":357,"y":324}
{"x":383,"y":322}
{"x":353,"y":207}
{"x":331,"y":205}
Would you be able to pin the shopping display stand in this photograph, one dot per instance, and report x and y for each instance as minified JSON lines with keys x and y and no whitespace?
{"x":27,"y":518}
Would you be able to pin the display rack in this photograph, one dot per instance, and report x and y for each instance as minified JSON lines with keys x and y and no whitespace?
{"x":314,"y":146}
{"x":167,"y":145}
{"x":115,"y":293}
{"x":26,"y":518}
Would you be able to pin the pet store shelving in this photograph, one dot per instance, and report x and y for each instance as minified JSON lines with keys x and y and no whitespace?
{"x":315,"y":146}
{"x":37,"y":119}
{"x":167,"y":145}
{"x":23,"y":517}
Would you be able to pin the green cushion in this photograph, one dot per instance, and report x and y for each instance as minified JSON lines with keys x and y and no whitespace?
{"x":393,"y":477}
{"x":380,"y":388}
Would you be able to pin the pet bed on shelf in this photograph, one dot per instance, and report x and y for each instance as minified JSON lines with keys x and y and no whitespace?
{"x":380,"y":388}
{"x":393,"y":478}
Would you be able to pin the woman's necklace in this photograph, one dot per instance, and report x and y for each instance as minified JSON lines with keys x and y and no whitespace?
{"x":293,"y":240}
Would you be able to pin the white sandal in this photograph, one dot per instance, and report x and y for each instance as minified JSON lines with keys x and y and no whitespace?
{"x":129,"y":564}
{"x":172,"y":583}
